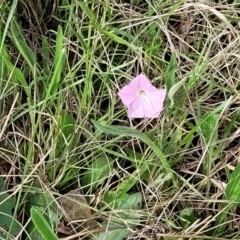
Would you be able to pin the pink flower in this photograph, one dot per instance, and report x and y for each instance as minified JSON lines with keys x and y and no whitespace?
{"x":142,"y":99}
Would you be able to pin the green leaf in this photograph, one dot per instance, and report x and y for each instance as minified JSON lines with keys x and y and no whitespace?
{"x":116,"y":228}
{"x":116,"y":234}
{"x":127,"y":205}
{"x":114,"y":199}
{"x":131,"y":201}
{"x":129,"y":182}
{"x":42,"y":225}
{"x":233,"y":196}
{"x":6,"y":218}
{"x":22,"y":45}
{"x":98,"y":171}
{"x":170,"y":72}
{"x":128,"y":208}
{"x":120,"y":40}
{"x":187,"y":217}
{"x":129,"y":132}
{"x":172,"y":224}
{"x":52,"y":86}
{"x":176,"y":137}
{"x":46,"y":54}
{"x":174,"y":89}
{"x":46,"y":205}
{"x":58,"y":62}
{"x":233,"y":187}
{"x":209,"y":127}
{"x":221,"y":107}
{"x":65,"y":135}
{"x":161,"y":179}
{"x":33,"y":232}
{"x":11,"y":70}
{"x":66,"y":124}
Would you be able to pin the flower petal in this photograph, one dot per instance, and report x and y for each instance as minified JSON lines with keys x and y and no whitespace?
{"x":158,"y":95}
{"x":148,"y":106}
{"x":127,"y":94}
{"x":145,"y":108}
{"x":141,"y":82}
{"x":135,"y":109}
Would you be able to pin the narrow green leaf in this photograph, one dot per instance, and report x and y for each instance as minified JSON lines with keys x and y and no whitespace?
{"x":170,"y":72}
{"x":42,"y":225}
{"x":130,"y":181}
{"x":208,"y":127}
{"x":59,"y":45}
{"x":22,"y":45}
{"x":44,"y":203}
{"x":233,"y":196}
{"x":65,"y":133}
{"x":174,"y":141}
{"x":233,"y":187}
{"x":46,"y":54}
{"x":174,"y":89}
{"x":81,"y":40}
{"x":7,"y":23}
{"x":66,"y":124}
{"x":120,"y":40}
{"x":129,"y":132}
{"x":58,"y":63}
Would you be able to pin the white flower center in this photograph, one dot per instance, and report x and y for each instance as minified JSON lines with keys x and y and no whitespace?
{"x":142,"y":93}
